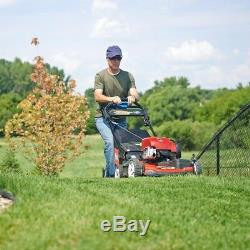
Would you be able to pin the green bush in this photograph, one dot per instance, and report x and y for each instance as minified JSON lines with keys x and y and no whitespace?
{"x":8,"y":107}
{"x":91,"y":128}
{"x":223,"y":106}
{"x":9,"y":163}
{"x":190,"y":135}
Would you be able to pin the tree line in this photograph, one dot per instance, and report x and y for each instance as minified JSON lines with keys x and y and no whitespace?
{"x":191,"y":115}
{"x":15,"y":84}
{"x":187,"y":114}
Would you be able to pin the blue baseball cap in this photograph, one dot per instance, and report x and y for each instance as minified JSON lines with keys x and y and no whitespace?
{"x":113,"y":51}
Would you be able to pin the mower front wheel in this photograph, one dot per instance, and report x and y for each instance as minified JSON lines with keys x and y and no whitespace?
{"x":197,"y":168}
{"x":135,"y":168}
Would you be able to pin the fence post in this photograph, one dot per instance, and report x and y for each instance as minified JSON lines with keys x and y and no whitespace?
{"x":218,"y":155}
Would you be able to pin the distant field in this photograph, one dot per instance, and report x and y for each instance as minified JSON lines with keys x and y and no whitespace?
{"x":89,"y":164}
{"x":186,"y":212}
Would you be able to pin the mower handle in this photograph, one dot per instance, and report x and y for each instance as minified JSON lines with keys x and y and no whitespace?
{"x":124,"y":105}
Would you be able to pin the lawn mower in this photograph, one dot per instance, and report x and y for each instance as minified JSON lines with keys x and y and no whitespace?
{"x":137,"y":153}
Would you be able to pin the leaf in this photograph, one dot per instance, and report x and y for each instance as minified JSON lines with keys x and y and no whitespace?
{"x":35,"y":41}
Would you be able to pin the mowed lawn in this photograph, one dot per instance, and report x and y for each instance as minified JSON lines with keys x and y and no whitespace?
{"x":186,"y":212}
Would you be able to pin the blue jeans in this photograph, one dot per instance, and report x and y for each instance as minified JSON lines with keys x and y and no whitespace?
{"x":104,"y":129}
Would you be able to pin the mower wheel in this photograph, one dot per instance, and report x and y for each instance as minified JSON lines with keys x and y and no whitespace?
{"x":135,"y":168}
{"x":197,"y":168}
{"x":118,"y":172}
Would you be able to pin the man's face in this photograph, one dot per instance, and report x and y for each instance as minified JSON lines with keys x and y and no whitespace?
{"x":114,"y":62}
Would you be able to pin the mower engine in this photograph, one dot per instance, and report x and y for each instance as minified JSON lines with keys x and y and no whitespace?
{"x":154,"y":148}
{"x":149,"y":153}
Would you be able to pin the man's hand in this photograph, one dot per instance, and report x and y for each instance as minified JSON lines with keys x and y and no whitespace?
{"x":116,"y":99}
{"x":131,"y":99}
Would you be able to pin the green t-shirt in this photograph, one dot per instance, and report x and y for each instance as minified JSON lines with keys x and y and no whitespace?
{"x":113,"y":85}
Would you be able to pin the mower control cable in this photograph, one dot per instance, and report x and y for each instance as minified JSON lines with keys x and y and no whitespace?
{"x":117,"y":124}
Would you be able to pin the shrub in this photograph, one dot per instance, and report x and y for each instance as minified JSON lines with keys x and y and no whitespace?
{"x":9,"y":163}
{"x":49,"y":118}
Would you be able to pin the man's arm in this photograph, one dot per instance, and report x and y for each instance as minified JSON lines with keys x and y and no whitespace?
{"x":100,"y":98}
{"x":133,"y":95}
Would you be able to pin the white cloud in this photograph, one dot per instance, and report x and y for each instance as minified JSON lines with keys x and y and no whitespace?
{"x":236,"y":52}
{"x":208,"y":76}
{"x":207,"y":19}
{"x":106,"y":27}
{"x":4,"y":3}
{"x":192,"y":51}
{"x":187,"y":2}
{"x":213,"y":75}
{"x":99,"y":5}
{"x":241,"y":73}
{"x":69,"y":63}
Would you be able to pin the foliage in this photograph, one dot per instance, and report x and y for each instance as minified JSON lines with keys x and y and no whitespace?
{"x":91,"y":127}
{"x":224,"y":105}
{"x":8,"y":107}
{"x":89,"y":94}
{"x":14,"y":77}
{"x":49,"y":116}
{"x":173,"y":99}
{"x":15,"y":83}
{"x":190,"y":115}
{"x":190,"y":135}
{"x":9,"y":163}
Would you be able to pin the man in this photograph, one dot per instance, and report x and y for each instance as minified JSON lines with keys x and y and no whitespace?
{"x":111,"y":85}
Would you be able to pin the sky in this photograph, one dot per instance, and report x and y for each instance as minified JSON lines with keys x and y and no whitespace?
{"x":206,"y":41}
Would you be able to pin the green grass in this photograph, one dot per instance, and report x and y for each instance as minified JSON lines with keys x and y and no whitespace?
{"x":186,"y":212}
{"x":89,"y":164}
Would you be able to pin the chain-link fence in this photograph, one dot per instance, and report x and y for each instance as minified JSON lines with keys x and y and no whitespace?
{"x":228,"y":153}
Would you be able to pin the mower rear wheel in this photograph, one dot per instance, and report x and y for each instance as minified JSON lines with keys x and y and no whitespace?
{"x":135,"y":168}
{"x":118,"y":172}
